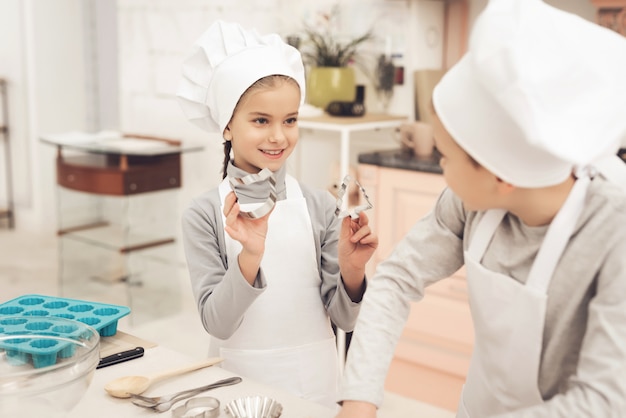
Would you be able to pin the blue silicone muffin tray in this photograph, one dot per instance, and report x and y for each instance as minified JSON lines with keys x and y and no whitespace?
{"x":27,"y":315}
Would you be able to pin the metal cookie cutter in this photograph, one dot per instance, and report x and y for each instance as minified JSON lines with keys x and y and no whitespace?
{"x":202,"y":407}
{"x":354,"y":212}
{"x":266,"y":206}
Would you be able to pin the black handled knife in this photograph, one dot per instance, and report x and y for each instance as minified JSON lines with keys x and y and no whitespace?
{"x":120,"y":357}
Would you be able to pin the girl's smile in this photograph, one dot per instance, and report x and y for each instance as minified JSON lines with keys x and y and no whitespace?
{"x":273,"y":153}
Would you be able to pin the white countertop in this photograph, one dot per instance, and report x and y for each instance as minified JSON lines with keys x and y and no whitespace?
{"x":396,"y":406}
{"x":96,"y":403}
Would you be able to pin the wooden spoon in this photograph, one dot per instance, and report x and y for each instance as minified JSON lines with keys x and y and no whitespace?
{"x":124,"y":386}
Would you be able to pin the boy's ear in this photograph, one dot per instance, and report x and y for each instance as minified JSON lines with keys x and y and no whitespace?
{"x":503,"y":187}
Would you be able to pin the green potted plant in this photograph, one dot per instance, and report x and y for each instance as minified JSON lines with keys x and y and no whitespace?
{"x":328,"y":56}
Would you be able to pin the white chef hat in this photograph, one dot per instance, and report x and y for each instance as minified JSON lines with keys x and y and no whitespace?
{"x":538,"y":92}
{"x":227,"y":60}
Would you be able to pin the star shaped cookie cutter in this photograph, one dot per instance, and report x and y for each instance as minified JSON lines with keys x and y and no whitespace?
{"x":266,"y":206}
{"x":354,"y":212}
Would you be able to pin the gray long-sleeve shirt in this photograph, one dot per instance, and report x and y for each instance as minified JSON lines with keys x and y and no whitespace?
{"x":583,"y":357}
{"x":222,"y":293}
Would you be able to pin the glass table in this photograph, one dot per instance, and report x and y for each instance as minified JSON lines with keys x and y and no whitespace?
{"x":117,"y":219}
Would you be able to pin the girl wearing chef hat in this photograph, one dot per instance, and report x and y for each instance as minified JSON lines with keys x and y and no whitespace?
{"x":529,"y":124}
{"x":268,"y":287}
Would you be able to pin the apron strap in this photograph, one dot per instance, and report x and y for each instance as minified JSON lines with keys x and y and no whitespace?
{"x":558,"y":235}
{"x":292,"y":187}
{"x":484,"y":232}
{"x":224,"y":188}
{"x":613,"y":169}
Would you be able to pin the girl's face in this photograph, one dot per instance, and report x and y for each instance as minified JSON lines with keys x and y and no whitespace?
{"x":264,"y":127}
{"x":472,"y":183}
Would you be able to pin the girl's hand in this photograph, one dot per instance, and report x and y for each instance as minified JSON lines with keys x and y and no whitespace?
{"x":357,"y":243}
{"x":250,"y":233}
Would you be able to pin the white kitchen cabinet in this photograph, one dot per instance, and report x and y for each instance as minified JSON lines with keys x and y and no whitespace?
{"x":432,"y":356}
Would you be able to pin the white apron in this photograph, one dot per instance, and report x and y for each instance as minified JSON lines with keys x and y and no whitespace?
{"x":509,"y":316}
{"x":285,"y":339}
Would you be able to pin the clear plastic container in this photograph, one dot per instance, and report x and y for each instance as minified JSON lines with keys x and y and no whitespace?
{"x":46,"y":365}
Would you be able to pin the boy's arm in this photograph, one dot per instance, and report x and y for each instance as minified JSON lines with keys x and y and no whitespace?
{"x":431,"y":251}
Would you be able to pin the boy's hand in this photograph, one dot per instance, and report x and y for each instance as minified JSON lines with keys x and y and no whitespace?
{"x":357,"y":409}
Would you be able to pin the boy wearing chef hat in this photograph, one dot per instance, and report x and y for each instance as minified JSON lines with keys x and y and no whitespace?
{"x":269,"y":279}
{"x":529,"y":124}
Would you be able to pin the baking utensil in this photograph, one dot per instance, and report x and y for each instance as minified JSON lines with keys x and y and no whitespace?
{"x":124,"y":386}
{"x":259,"y":210}
{"x":166,"y":406}
{"x":204,"y":407}
{"x":150,"y":402}
{"x":120,"y":357}
{"x":103,"y":317}
{"x":254,"y":406}
{"x":354,"y":212}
